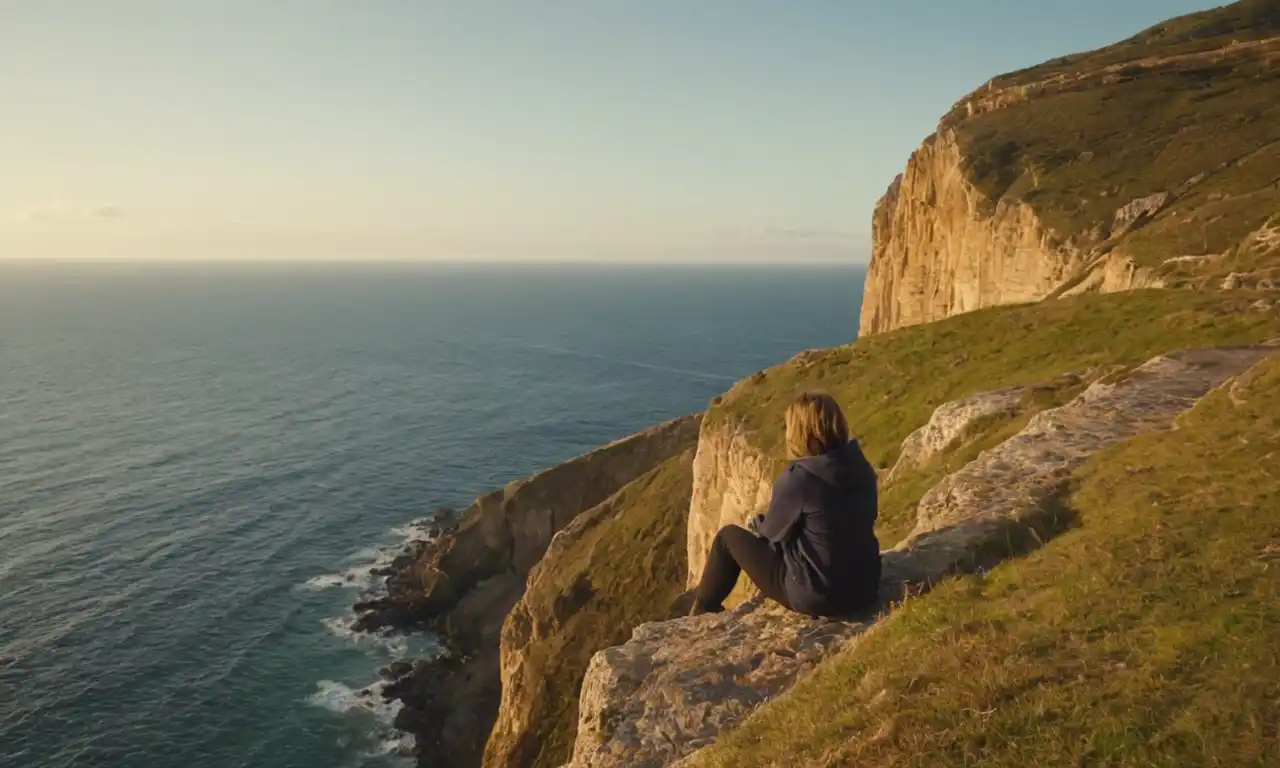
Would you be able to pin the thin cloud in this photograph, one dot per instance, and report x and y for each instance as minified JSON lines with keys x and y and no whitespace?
{"x":107,"y":211}
{"x":67,"y":213}
{"x":811,"y":235}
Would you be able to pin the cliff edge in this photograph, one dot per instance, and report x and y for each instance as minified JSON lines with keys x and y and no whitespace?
{"x":1026,"y":448}
{"x":1151,"y":162}
{"x":676,"y":686}
{"x":465,"y":583}
{"x":616,"y":566}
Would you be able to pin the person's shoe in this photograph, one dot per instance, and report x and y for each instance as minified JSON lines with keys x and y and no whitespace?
{"x":699,"y":608}
{"x":681,"y":606}
{"x":688,"y":604}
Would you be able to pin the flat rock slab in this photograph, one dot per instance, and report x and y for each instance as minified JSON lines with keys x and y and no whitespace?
{"x":949,"y":421}
{"x":1014,"y":477}
{"x":676,"y":685}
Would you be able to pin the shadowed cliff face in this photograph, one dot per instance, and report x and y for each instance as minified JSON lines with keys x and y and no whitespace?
{"x":615,"y":566}
{"x":1155,"y":161}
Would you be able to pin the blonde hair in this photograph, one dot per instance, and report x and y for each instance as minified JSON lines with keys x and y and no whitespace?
{"x":815,"y":425}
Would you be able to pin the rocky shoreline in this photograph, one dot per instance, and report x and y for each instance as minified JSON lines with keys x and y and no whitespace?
{"x":462,"y":581}
{"x":446,"y":701}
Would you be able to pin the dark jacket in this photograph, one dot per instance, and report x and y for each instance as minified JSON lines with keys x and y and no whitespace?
{"x":822,"y":519}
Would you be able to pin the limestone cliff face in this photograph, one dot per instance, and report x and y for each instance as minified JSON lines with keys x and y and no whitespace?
{"x":1103,"y":171}
{"x":732,"y":481}
{"x":940,"y":246}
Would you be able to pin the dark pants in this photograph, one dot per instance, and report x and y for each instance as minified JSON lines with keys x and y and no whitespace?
{"x":736,"y":550}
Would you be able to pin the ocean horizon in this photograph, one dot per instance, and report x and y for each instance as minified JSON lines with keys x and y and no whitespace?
{"x":200,"y":463}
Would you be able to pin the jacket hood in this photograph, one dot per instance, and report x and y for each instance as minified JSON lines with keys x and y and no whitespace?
{"x":838,"y":468}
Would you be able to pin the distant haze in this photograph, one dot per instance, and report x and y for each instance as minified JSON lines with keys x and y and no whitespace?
{"x":662,"y":130}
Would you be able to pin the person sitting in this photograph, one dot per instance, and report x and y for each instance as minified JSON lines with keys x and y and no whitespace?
{"x":815,"y":550}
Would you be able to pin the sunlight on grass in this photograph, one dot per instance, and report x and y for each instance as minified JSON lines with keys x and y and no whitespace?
{"x":1146,"y":636}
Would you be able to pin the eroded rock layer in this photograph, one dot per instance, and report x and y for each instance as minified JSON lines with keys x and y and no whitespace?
{"x":1151,"y":162}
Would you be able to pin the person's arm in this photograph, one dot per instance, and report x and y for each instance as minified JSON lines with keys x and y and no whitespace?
{"x":784,"y":510}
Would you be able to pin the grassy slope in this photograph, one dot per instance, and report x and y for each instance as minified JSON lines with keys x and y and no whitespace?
{"x":898,"y":499}
{"x":1077,"y":154}
{"x":636,"y":562}
{"x":1192,"y":33}
{"x":890,"y":383}
{"x":1147,"y":636}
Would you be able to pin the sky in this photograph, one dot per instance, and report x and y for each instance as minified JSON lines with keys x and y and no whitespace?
{"x":460,"y":130}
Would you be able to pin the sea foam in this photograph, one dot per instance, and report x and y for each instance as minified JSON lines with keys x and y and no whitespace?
{"x":340,"y":698}
{"x":360,"y":575}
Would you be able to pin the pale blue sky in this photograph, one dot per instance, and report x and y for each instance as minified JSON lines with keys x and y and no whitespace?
{"x":645,"y":130}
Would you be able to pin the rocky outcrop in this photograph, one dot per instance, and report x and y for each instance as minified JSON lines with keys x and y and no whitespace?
{"x":617,"y":565}
{"x":1110,"y":274}
{"x":949,"y":422}
{"x":503,"y":534}
{"x":1131,"y":215}
{"x":468,"y":579}
{"x":1030,"y":467}
{"x":676,"y":685}
{"x":1033,"y":181}
{"x":940,"y":246}
{"x":732,"y":482}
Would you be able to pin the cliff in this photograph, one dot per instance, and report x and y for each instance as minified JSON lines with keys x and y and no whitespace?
{"x":616,"y":566}
{"x":465,"y":583}
{"x":1103,"y":647}
{"x":985,"y":419}
{"x":948,"y":409}
{"x":1043,"y":432}
{"x":677,"y":685}
{"x":1155,"y":161}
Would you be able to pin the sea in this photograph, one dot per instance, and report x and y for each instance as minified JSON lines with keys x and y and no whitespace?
{"x":199,"y":464}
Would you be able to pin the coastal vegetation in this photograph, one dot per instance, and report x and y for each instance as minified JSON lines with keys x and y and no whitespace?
{"x":1145,"y":636}
{"x":619,"y":565}
{"x":1140,"y":632}
{"x":1187,"y":111}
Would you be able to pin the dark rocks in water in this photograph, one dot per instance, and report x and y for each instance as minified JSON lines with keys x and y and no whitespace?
{"x":391,"y":612}
{"x":402,"y":562}
{"x":395,"y":670}
{"x":449,"y":704}
{"x":463,"y":580}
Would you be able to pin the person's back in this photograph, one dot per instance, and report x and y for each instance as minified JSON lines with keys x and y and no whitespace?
{"x":832,"y":554}
{"x":815,"y":550}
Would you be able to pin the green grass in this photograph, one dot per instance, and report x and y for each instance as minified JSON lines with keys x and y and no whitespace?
{"x":1147,"y":635}
{"x":1214,"y":218}
{"x":1095,"y":149}
{"x":898,"y":499}
{"x":1195,"y":32}
{"x":621,"y":572}
{"x":889,"y":384}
